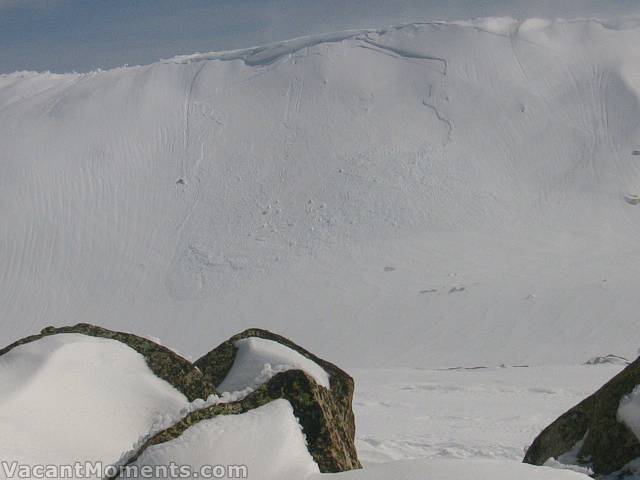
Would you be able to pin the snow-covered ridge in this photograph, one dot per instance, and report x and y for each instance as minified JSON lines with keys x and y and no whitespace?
{"x":505,"y":26}
{"x":265,"y":54}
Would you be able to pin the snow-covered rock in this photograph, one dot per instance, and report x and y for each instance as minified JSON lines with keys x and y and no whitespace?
{"x":163,"y":362}
{"x":257,"y":367}
{"x":254,"y":354}
{"x":67,"y":398}
{"x":601,"y":433}
{"x":267,"y":441}
{"x":87,"y":377}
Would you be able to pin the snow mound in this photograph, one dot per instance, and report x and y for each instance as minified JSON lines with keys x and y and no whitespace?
{"x":259,"y":359}
{"x":267,"y":440}
{"x":73,"y":398}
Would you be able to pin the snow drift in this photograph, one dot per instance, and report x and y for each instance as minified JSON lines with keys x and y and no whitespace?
{"x":258,"y":359}
{"x":267,"y":441}
{"x":439,"y":194}
{"x":73,"y":398}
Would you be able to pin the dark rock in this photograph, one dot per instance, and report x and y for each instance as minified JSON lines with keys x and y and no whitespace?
{"x":608,"y":444}
{"x":335,"y":422}
{"x":163,"y":362}
{"x":313,"y":405}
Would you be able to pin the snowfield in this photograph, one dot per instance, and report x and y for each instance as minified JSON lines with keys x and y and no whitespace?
{"x":492,"y":413}
{"x":401,"y":202}
{"x":455,"y":470}
{"x":444,"y":193}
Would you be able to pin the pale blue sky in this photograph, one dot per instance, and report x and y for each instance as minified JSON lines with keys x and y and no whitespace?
{"x":80,"y":35}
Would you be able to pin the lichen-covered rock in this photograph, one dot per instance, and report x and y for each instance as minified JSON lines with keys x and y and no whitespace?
{"x":607,"y":444}
{"x":312,"y":404}
{"x":163,"y":362}
{"x":325,"y":414}
{"x":328,"y":422}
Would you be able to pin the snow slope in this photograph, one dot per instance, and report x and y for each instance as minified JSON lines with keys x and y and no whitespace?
{"x":72,"y":398}
{"x":432,"y":194}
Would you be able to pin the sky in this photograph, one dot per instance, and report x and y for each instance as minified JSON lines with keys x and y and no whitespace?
{"x":82,"y":35}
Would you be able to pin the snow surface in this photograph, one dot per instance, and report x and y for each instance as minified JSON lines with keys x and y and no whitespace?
{"x":412,"y":422}
{"x":629,"y":411}
{"x":86,"y":398}
{"x":436,"y":194}
{"x":267,"y":440}
{"x":455,"y":470}
{"x":492,"y":413}
{"x":439,"y":194}
{"x":259,"y":359}
{"x":70,"y":397}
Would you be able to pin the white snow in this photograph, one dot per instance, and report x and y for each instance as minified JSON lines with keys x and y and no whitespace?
{"x":449,"y":424}
{"x":455,"y":470}
{"x":492,"y":155}
{"x":259,"y":359}
{"x":91,"y":399}
{"x":492,"y":413}
{"x":267,"y":440}
{"x":70,"y":397}
{"x":435,"y":194}
{"x":629,"y":411}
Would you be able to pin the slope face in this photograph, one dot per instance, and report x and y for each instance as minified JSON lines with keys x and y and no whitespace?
{"x":444,"y":193}
{"x":72,"y":398}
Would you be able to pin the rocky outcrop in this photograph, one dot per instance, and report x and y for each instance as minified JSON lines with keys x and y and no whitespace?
{"x":592,"y":429}
{"x":325,"y":414}
{"x":163,"y":362}
{"x":329,"y":425}
{"x":313,"y":405}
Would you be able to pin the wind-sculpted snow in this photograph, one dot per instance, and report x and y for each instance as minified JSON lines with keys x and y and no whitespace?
{"x":73,"y":398}
{"x":267,"y":54}
{"x":320,"y":185}
{"x":254,"y":354}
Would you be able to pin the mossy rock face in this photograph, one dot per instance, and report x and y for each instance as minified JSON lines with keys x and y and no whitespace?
{"x":312,"y":404}
{"x":334,"y":406}
{"x":608,"y":444}
{"x":163,"y":362}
